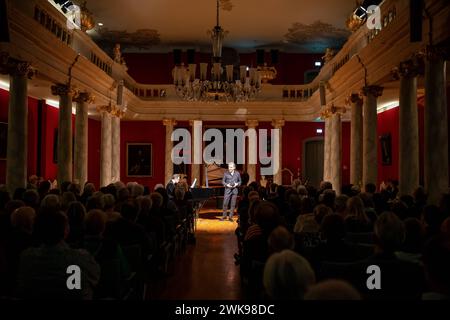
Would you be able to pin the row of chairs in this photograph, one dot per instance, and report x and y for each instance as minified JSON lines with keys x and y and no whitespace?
{"x":144,"y":271}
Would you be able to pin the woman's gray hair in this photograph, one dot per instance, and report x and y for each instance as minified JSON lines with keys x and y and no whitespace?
{"x":287,"y":275}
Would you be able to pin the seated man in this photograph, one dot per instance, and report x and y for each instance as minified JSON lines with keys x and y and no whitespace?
{"x":171,"y":186}
{"x":43,"y":270}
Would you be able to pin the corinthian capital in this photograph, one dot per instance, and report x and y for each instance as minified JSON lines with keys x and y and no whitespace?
{"x":63,"y":90}
{"x":169,"y":122}
{"x":85,"y":97}
{"x":278,"y":123}
{"x":252,"y":123}
{"x":375,"y":91}
{"x":14,"y":67}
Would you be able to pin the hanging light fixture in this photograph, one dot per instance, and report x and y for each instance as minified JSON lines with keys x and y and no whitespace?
{"x":220,"y":86}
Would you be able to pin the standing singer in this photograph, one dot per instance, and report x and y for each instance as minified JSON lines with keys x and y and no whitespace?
{"x":231,"y":181}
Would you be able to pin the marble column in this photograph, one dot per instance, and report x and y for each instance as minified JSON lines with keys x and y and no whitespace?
{"x":105,"y":153}
{"x":66,"y":94}
{"x":408,"y":129}
{"x":327,"y":149}
{"x":115,"y":148}
{"x":252,"y":151}
{"x":16,"y":151}
{"x":356,"y":145}
{"x":370,"y":151}
{"x":278,"y":151}
{"x":168,"y":172}
{"x":80,"y":170}
{"x":436,"y":166}
{"x":336,"y":152}
{"x":196,"y":154}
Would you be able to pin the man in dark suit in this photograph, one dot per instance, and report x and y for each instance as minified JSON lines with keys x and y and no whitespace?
{"x":231,"y":181}
{"x":171,"y":186}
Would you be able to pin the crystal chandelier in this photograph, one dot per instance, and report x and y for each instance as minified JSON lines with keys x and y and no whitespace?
{"x":220,"y":86}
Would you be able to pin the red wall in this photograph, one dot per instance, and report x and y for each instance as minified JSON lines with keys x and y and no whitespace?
{"x":49,"y":169}
{"x":156,"y":68}
{"x":152,"y":132}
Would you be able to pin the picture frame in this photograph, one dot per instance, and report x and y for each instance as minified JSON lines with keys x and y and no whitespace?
{"x":139,"y":160}
{"x":386,"y":149}
{"x":3,"y":140}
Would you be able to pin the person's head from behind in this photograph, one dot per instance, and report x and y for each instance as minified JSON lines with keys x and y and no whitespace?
{"x":389,"y":232}
{"x":176,"y":178}
{"x":123,"y":194}
{"x":23,"y":219}
{"x":137,"y":190}
{"x":332,"y":290}
{"x":76,"y":214}
{"x":51,"y":202}
{"x":145,"y":204}
{"x":267,"y":217}
{"x":74,"y":188}
{"x":328,"y":198}
{"x":95,"y":222}
{"x":436,"y":261}
{"x":129,"y":211}
{"x":320,"y":212}
{"x":355,"y":209}
{"x":89,"y":189}
{"x":252,"y":196}
{"x":31,"y":198}
{"x":51,"y":227}
{"x":280,"y":239}
{"x":67,"y":198}
{"x":414,"y":235}
{"x":252,"y":210}
{"x":109,"y":202}
{"x":44,"y":187}
{"x":333,"y":227}
{"x":287,"y":276}
{"x":370,"y":188}
{"x":307,"y":205}
{"x":157,"y":200}
{"x":341,"y":203}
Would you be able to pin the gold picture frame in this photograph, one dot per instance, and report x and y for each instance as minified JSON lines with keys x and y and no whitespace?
{"x":139,"y":161}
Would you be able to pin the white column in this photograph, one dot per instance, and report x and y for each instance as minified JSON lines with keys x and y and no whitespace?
{"x":252,"y":150}
{"x":278,"y":124}
{"x":80,"y":171}
{"x":436,"y":126}
{"x":105,"y":154}
{"x":336,"y":152}
{"x":370,"y":151}
{"x":327,"y":149}
{"x":115,"y":148}
{"x":197,"y":156}
{"x":356,"y":140}
{"x":66,"y":94}
{"x":169,"y":124}
{"x":17,"y":144}
{"x":408,"y":129}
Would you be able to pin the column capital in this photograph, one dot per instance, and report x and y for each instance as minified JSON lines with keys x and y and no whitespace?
{"x":376,"y":91}
{"x":117,"y":112}
{"x":191,"y":122}
{"x":15,"y":67}
{"x":252,"y":123}
{"x":409,"y":68}
{"x":437,"y":52}
{"x":355,"y":98}
{"x":332,"y":110}
{"x":108,"y":108}
{"x":61,"y":89}
{"x":84,"y":97}
{"x":278,"y":123}
{"x":169,"y":122}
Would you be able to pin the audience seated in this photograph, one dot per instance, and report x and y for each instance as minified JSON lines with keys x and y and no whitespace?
{"x":332,"y":290}
{"x":43,"y":270}
{"x":436,"y":260}
{"x":287,"y":276}
{"x":356,"y":219}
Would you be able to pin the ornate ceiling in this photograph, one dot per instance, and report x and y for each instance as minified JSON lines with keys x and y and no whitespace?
{"x":160,"y":25}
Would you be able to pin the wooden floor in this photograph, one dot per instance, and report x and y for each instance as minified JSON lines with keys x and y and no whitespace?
{"x":206,"y":270}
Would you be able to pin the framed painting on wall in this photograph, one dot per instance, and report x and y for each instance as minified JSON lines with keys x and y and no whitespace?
{"x":139,"y":160}
{"x":3,"y":139}
{"x":386,"y":149}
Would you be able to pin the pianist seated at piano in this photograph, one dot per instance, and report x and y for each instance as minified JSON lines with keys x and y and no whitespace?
{"x":171,"y":186}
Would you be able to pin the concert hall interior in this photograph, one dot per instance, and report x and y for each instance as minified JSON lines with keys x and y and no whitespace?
{"x":224,"y":150}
